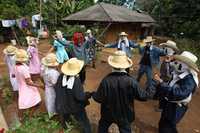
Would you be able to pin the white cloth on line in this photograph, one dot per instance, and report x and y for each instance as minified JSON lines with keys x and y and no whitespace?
{"x":8,"y":23}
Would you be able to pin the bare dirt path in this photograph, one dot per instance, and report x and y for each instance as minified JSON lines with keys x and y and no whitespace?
{"x":146,"y":118}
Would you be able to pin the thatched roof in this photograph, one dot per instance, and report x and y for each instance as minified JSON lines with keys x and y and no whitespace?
{"x":102,"y":12}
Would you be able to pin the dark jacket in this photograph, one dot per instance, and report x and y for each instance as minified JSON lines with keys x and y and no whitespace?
{"x":155,"y":54}
{"x":69,"y":100}
{"x":116,"y":95}
{"x":181,"y":90}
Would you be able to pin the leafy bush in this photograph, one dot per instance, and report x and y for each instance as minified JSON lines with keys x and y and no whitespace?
{"x":190,"y":45}
{"x":7,"y":94}
{"x":40,"y":123}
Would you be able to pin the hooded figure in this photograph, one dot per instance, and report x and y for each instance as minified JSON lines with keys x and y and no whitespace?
{"x":116,"y":94}
{"x":70,"y":96}
{"x":178,"y":91}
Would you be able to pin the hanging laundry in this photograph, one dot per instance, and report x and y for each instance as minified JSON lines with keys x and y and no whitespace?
{"x":36,"y":18}
{"x":8,"y":23}
{"x":24,"y":23}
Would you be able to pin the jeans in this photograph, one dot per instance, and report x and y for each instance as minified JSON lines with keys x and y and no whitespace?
{"x":81,"y":117}
{"x":145,"y":69}
{"x":106,"y":120}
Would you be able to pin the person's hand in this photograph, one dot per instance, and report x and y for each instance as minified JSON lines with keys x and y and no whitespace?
{"x":157,"y":78}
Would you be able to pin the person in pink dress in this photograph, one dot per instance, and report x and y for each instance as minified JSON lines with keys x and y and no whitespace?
{"x":29,"y":96}
{"x":34,"y":61}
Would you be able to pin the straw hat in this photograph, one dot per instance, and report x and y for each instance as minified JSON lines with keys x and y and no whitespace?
{"x":21,"y":55}
{"x":50,"y":60}
{"x":30,"y":40}
{"x":119,"y":60}
{"x":72,"y":67}
{"x":170,"y":44}
{"x":188,"y":58}
{"x":123,"y":34}
{"x":10,"y":50}
{"x":148,"y":39}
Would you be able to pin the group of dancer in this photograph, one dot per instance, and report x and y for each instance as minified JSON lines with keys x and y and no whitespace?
{"x":63,"y":74}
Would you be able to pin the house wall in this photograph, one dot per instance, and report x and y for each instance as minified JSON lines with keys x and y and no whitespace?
{"x":134,"y":32}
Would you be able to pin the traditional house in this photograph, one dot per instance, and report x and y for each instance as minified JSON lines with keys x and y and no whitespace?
{"x":114,"y":19}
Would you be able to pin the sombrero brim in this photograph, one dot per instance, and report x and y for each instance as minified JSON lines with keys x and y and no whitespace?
{"x":187,"y":61}
{"x":169,"y":46}
{"x":49,"y":64}
{"x":6,"y":52}
{"x":22,"y":59}
{"x":67,"y":71}
{"x":124,"y":65}
{"x":123,"y":34}
{"x":145,"y":41}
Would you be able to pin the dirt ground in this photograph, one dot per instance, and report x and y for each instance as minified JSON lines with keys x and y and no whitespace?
{"x":146,"y":118}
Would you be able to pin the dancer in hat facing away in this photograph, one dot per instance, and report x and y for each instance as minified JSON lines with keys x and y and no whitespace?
{"x":34,"y":61}
{"x":70,"y":96}
{"x":178,"y":92}
{"x":123,"y":44}
{"x":91,"y":42}
{"x":50,"y":75}
{"x":150,"y":58}
{"x":166,"y":68}
{"x":116,"y":95}
{"x":9,"y":52}
{"x":29,"y":95}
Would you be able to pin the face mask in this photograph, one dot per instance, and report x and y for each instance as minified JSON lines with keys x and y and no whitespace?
{"x":169,"y":51}
{"x":179,"y":67}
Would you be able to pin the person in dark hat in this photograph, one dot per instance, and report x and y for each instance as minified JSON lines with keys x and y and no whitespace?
{"x":116,"y":94}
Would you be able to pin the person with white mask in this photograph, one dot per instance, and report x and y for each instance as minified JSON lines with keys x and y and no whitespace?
{"x":166,"y":68}
{"x":178,"y":92}
{"x":123,"y":44}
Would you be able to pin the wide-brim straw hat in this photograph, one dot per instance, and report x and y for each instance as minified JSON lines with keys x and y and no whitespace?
{"x":10,"y":50}
{"x":149,"y":39}
{"x":21,"y":55}
{"x":170,"y":44}
{"x":189,"y":59}
{"x":123,"y":34}
{"x":119,"y":60}
{"x":72,"y":67}
{"x":50,"y":60}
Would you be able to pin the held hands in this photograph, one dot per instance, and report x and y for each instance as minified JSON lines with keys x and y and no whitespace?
{"x":157,"y":78}
{"x":88,"y":95}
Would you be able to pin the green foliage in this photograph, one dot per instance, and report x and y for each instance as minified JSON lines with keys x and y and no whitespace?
{"x":7,"y":94}
{"x":40,"y":123}
{"x":189,"y":45}
{"x":115,"y":2}
{"x":9,"y":10}
{"x":177,"y":18}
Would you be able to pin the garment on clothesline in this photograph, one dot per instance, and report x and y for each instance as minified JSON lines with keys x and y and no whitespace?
{"x":36,"y":18}
{"x":8,"y":23}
